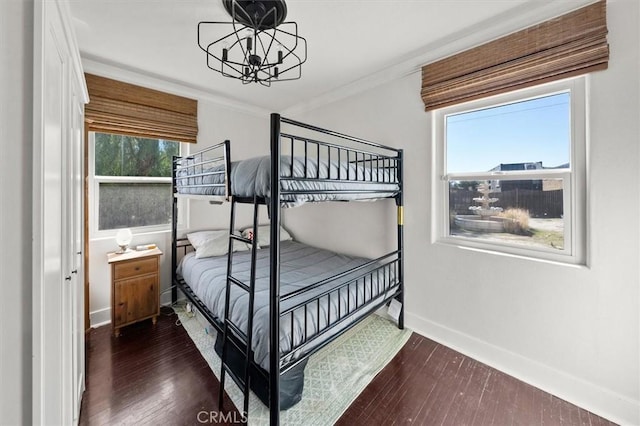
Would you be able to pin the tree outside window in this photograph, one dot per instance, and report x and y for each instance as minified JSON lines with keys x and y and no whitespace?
{"x":133,"y":178}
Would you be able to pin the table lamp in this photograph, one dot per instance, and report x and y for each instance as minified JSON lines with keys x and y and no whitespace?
{"x":123,"y":239}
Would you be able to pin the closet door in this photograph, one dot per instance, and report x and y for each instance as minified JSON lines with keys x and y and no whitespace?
{"x":58,"y":338}
{"x":77,"y":244}
{"x":50,"y":292}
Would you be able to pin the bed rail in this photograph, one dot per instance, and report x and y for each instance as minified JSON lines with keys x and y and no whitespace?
{"x":375,"y":283}
{"x":204,"y":174}
{"x":336,"y":134}
{"x":350,"y":165}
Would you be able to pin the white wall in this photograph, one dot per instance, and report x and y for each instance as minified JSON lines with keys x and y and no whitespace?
{"x":16,"y":92}
{"x":249,"y":135}
{"x":573,"y":331}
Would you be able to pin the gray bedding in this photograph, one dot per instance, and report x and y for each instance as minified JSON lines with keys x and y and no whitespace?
{"x":252,"y":177}
{"x":301,"y":265}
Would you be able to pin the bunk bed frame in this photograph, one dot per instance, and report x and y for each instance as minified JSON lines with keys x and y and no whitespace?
{"x":392,"y":264}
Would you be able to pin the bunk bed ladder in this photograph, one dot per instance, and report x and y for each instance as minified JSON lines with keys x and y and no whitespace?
{"x":231,"y":332}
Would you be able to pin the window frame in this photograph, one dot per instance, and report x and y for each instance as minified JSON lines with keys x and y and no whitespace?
{"x":94,"y":195}
{"x":574,"y":179}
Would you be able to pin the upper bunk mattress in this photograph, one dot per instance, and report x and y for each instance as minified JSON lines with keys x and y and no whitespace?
{"x":344,"y":181}
{"x":301,"y":265}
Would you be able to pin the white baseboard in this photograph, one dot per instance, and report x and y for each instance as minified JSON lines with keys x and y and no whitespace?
{"x":103,"y":316}
{"x":165,"y":299}
{"x":598,"y":400}
{"x":100,"y":317}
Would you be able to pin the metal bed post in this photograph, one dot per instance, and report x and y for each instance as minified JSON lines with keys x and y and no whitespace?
{"x":225,"y":328}
{"x":227,"y":168}
{"x":274,"y":281}
{"x":174,"y":233}
{"x":252,"y":290}
{"x":400,"y":204}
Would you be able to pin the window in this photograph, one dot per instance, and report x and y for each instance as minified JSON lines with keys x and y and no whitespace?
{"x":131,"y":181}
{"x":511,"y":172}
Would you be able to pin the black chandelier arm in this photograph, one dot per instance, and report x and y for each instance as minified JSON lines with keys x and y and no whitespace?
{"x":206,"y":49}
{"x":237,"y":67}
{"x":228,"y":61}
{"x":235,"y":41}
{"x":240,"y":75}
{"x":221,"y":70}
{"x":229,"y":64}
{"x":289,"y":51}
{"x":268,"y":49}
{"x":296,"y":37}
{"x":222,"y":63}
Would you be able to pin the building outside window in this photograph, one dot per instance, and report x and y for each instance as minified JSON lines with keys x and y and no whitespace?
{"x":511,"y":172}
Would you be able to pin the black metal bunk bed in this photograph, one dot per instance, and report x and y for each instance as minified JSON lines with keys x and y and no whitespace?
{"x":309,"y":170}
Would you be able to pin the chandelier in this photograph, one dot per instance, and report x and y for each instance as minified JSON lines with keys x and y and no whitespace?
{"x":257,"y":46}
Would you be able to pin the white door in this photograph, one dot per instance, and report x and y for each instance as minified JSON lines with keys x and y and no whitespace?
{"x":77,"y":271}
{"x":49,"y":245}
{"x":58,"y":331}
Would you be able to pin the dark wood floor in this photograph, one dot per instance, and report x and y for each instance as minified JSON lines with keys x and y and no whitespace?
{"x":150,"y":375}
{"x":155,"y":375}
{"x":430,"y":384}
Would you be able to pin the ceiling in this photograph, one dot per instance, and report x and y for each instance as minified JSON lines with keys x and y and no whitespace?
{"x":349,"y":41}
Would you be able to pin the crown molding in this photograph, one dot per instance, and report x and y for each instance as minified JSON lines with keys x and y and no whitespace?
{"x":71,"y":40}
{"x":512,"y":20}
{"x":515,"y":19}
{"x":110,"y":69}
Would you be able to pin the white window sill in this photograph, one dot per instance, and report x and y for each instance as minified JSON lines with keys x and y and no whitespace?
{"x":512,"y":252}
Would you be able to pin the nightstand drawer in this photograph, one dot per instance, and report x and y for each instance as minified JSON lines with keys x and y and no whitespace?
{"x":135,"y":268}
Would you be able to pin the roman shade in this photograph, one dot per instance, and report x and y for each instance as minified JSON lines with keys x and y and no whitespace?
{"x":117,"y":107}
{"x":569,"y":45}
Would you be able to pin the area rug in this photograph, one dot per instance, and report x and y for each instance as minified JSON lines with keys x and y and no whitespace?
{"x":334,"y":376}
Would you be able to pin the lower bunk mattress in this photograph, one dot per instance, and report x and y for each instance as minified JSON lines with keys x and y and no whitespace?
{"x":324,"y":311}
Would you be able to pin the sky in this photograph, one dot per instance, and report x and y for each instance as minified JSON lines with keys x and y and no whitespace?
{"x":521,"y":132}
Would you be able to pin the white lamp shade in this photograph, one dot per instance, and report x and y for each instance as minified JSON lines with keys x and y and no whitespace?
{"x":123,"y":237}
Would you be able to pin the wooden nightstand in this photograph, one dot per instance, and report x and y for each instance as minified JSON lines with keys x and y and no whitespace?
{"x":135,"y":287}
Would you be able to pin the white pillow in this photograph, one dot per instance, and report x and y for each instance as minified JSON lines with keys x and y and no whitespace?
{"x":209,"y":243}
{"x":264,"y":235}
{"x":213,"y":243}
{"x":239,"y":245}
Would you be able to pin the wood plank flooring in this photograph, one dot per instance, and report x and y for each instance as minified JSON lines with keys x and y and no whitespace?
{"x":154,"y":375}
{"x":430,"y":384}
{"x":150,"y":375}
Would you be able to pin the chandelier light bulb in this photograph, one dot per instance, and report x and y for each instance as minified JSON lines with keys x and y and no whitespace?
{"x":225,"y":51}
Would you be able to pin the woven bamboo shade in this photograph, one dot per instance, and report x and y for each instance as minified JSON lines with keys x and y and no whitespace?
{"x":572,"y":44}
{"x":117,"y":107}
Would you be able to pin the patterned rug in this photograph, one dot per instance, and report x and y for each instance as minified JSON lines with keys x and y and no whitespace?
{"x":334,"y":376}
